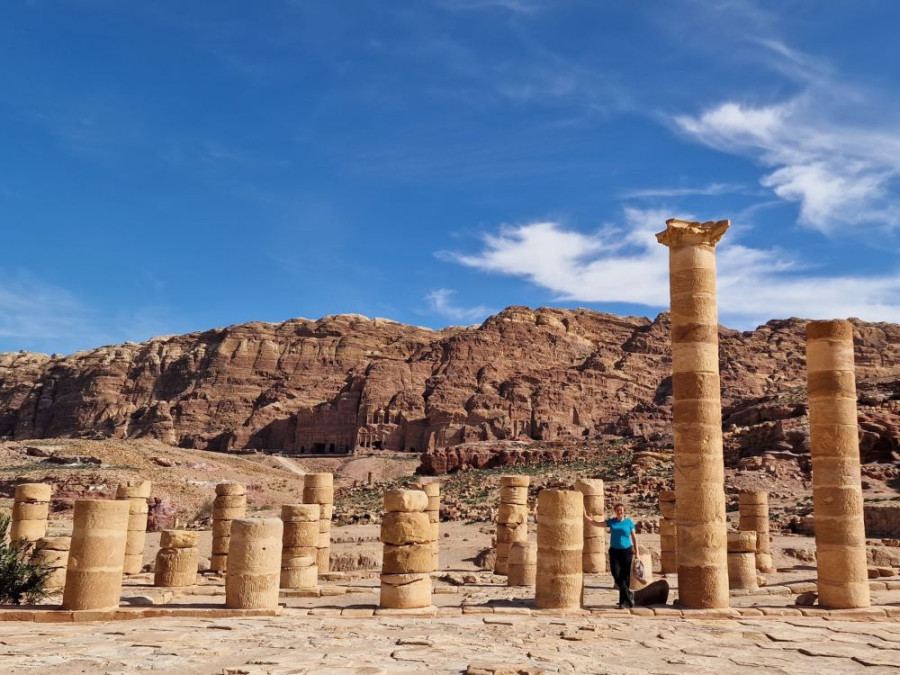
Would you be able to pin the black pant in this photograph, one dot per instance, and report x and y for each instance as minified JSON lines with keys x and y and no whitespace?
{"x":620,"y":567}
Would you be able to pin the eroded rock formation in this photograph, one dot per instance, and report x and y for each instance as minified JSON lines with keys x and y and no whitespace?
{"x":346,"y":381}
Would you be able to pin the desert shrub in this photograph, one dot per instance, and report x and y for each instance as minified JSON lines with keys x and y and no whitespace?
{"x":22,"y":577}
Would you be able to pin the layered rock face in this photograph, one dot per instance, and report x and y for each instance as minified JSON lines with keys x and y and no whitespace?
{"x":345,"y":381}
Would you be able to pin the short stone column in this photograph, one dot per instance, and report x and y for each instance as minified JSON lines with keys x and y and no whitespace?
{"x":742,"y":561}
{"x":408,"y":552}
{"x":522,"y":568}
{"x":697,"y":410}
{"x":137,"y":494}
{"x":230,"y":504}
{"x":560,"y":537}
{"x":299,"y":545}
{"x":177,"y":559}
{"x":834,"y":446}
{"x":593,"y":559}
{"x":318,"y":488}
{"x":433,"y":490}
{"x":54,"y":552}
{"x":668,"y":533}
{"x":96,"y":556}
{"x":512,"y":518}
{"x":254,"y":563}
{"x":754,"y":517}
{"x":31,"y":507}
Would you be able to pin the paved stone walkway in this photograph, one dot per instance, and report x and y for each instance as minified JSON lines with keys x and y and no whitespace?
{"x":298,"y":643}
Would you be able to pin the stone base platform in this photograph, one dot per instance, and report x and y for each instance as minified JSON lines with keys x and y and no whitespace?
{"x":44,"y":614}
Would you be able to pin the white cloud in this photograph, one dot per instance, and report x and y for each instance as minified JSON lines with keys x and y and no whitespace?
{"x":440,"y":302}
{"x":710,"y":190}
{"x":516,"y":6}
{"x":832,"y":159}
{"x":627,"y":265}
{"x":31,"y":309}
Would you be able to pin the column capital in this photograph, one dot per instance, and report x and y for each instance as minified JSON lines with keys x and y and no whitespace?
{"x":687,"y":233}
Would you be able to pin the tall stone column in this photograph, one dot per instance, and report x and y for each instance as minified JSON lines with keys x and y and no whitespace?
{"x":229,"y":505}
{"x":668,"y":533}
{"x":834,"y":446}
{"x":318,"y":488}
{"x":137,"y":494}
{"x":593,"y":557}
{"x":512,"y":518}
{"x":299,"y":545}
{"x":560,"y":542}
{"x":96,"y":555}
{"x":697,"y":410}
{"x":433,"y":490}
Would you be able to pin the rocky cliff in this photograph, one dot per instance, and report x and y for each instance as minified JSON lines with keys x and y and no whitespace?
{"x":346,"y":381}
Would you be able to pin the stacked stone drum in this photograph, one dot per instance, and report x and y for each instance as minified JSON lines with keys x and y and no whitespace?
{"x":54,"y":552}
{"x":593,"y":559}
{"x":668,"y":533}
{"x":433,"y":490}
{"x":31,"y":506}
{"x":177,"y":558}
{"x":834,"y":448}
{"x":560,"y":537}
{"x":254,"y":563}
{"x":318,"y":488}
{"x":137,"y":495}
{"x":512,"y":518}
{"x":97,"y":553}
{"x":742,"y":561}
{"x":522,"y":568}
{"x":299,"y":545}
{"x":408,"y":552}
{"x":697,"y":413}
{"x":230,"y":504}
{"x":754,"y":517}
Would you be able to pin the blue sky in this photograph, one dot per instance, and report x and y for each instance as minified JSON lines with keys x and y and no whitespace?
{"x":175,"y":166}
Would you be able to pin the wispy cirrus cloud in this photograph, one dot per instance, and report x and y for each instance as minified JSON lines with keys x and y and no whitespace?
{"x":441,"y":302}
{"x":822,"y":148}
{"x":516,"y":6}
{"x":710,"y":190}
{"x":625,"y":264}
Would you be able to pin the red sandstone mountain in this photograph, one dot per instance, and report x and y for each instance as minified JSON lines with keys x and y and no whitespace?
{"x":346,"y":381}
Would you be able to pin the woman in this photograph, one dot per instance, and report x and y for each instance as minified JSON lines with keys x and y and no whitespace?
{"x":622,"y":548}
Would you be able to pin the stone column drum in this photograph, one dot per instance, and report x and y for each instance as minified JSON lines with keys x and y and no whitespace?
{"x":137,"y":494}
{"x":834,"y":447}
{"x":31,"y":507}
{"x":697,"y":408}
{"x":254,"y":563}
{"x":299,"y":545}
{"x":522,"y":568}
{"x":97,"y":553}
{"x":668,"y":533}
{"x":512,"y":518}
{"x":230,"y":504}
{"x":433,"y":490}
{"x":742,"y":561}
{"x":318,"y":488}
{"x":754,"y":517}
{"x":593,"y":559}
{"x":560,"y":537}
{"x":54,"y":552}
{"x":408,"y":552}
{"x":177,"y":559}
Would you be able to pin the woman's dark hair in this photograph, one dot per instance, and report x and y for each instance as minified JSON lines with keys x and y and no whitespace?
{"x":617,"y":505}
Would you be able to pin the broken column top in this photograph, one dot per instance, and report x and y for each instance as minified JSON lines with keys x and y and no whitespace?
{"x":684,"y":232}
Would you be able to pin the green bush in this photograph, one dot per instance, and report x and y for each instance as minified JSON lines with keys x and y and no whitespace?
{"x":21,"y":576}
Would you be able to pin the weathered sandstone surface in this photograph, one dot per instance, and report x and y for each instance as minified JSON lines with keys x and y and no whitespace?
{"x":345,"y":381}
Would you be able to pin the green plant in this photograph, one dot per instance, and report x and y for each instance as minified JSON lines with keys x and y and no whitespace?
{"x":22,"y":576}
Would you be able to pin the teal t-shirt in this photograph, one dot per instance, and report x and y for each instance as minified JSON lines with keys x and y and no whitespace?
{"x":620,"y":532}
